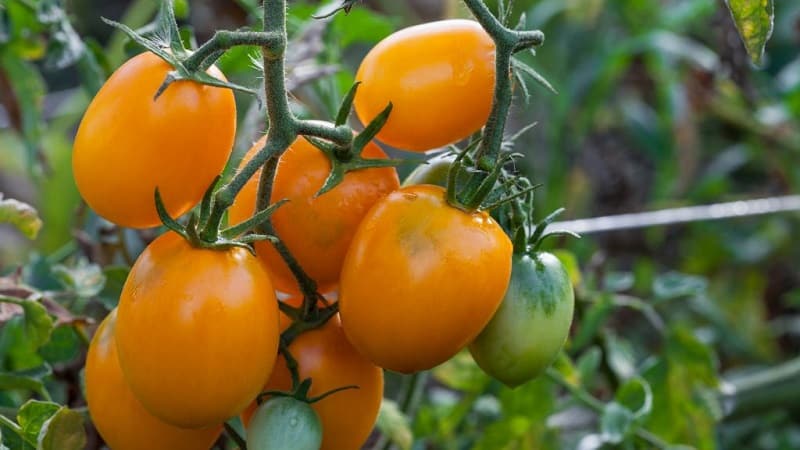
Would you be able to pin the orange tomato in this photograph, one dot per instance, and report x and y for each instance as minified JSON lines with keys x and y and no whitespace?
{"x":325,"y":356}
{"x":121,"y":420}
{"x":197,"y":331}
{"x":317,"y":230}
{"x":128,"y":143}
{"x":440,"y":78}
{"x":421,"y":279}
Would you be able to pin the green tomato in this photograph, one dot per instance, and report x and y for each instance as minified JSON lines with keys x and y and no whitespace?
{"x":284,"y":423}
{"x":433,"y":172}
{"x":531,"y":325}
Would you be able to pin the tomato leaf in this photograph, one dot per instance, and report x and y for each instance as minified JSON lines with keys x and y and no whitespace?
{"x":85,"y":279}
{"x":28,"y":87}
{"x":32,"y":416}
{"x":620,"y":356}
{"x":675,"y":285}
{"x":37,"y":324}
{"x":27,"y":379}
{"x":462,"y":373}
{"x":62,"y":431}
{"x":394,"y":424}
{"x":21,"y":215}
{"x":615,"y":423}
{"x":755,"y":20}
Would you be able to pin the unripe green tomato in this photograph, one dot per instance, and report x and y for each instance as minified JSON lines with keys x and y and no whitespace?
{"x":434,"y":172}
{"x":284,"y":423}
{"x":531,"y":325}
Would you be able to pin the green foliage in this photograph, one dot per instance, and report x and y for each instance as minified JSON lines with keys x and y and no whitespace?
{"x":754,"y":19}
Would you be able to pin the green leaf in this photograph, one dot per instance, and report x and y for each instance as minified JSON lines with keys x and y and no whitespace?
{"x":462,"y":373}
{"x":85,"y":279}
{"x":615,"y":423}
{"x":637,"y":396}
{"x":25,"y":379}
{"x":588,"y":363}
{"x":33,"y":415}
{"x":754,"y":19}
{"x":395,"y":425}
{"x":63,"y":431}
{"x":38,"y":323}
{"x":28,"y":88}
{"x":23,"y":216}
{"x":361,"y":25}
{"x":620,"y":356}
{"x":674,"y":285}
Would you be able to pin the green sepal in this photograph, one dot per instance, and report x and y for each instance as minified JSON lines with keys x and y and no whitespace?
{"x":347,"y":105}
{"x":208,"y":200}
{"x":253,"y":222}
{"x":346,"y":6}
{"x":520,"y":67}
{"x":166,"y":219}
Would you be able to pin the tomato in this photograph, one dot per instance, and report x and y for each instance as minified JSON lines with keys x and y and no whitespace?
{"x":434,"y":171}
{"x":128,"y":143}
{"x":325,"y":356}
{"x":421,"y":279}
{"x":439,"y":77}
{"x":317,"y":230}
{"x":116,"y":413}
{"x":530,"y":327}
{"x":197,"y":331}
{"x":284,"y":423}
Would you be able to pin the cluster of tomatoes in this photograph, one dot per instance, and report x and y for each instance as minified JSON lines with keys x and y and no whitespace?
{"x":196,"y":336}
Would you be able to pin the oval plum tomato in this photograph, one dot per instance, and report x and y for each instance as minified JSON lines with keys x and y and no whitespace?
{"x":317,"y":230}
{"x":439,"y":77}
{"x":326,"y":356}
{"x":121,"y":420}
{"x":421,"y":279}
{"x":128,"y":143}
{"x":284,"y":423}
{"x":531,"y":325}
{"x":197,"y":331}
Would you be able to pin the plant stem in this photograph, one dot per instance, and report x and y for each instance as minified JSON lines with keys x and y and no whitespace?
{"x":225,"y":39}
{"x":235,"y":436}
{"x":598,"y":406}
{"x":771,"y":388}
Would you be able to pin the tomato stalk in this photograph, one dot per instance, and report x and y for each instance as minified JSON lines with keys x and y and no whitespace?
{"x":488,"y":154}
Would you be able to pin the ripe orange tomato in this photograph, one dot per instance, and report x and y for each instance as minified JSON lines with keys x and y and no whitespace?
{"x":128,"y":143}
{"x":421,"y":279}
{"x":119,"y":417}
{"x":440,"y":78}
{"x":197,"y":331}
{"x":325,"y":356}
{"x":317,"y":230}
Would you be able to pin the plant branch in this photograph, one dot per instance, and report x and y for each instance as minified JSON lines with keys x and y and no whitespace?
{"x":340,"y":135}
{"x":224,"y":40}
{"x":598,"y":406}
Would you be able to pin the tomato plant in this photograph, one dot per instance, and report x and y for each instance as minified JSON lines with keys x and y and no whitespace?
{"x":187,"y":317}
{"x":284,"y":423}
{"x":128,"y":143}
{"x":439,"y":296}
{"x":439,"y":77}
{"x":317,"y":229}
{"x":326,"y":357}
{"x":531,"y":325}
{"x":117,"y":413}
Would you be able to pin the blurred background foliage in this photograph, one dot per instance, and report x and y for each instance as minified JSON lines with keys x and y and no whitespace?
{"x":658,"y":105}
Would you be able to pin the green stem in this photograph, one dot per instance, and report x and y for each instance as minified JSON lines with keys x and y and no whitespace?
{"x":235,"y":436}
{"x":772,"y":388}
{"x":224,"y":40}
{"x":341,"y":135}
{"x":598,"y":406}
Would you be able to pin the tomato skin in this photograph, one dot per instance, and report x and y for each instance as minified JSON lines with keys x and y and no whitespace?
{"x":433,"y":172}
{"x":326,"y":356}
{"x":128,"y":144}
{"x":421,"y":279}
{"x":439,"y":77}
{"x":317,"y":230}
{"x":116,"y":413}
{"x":191,"y":319}
{"x":530,"y":327}
{"x":284,"y":423}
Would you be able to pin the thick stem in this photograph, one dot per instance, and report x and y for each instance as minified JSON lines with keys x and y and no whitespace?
{"x":341,"y":136}
{"x":225,"y":39}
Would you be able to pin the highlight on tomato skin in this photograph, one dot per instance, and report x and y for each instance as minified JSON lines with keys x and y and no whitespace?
{"x":187,"y":318}
{"x":439,"y":77}
{"x":439,"y":295}
{"x":128,"y":143}
{"x":316,"y":229}
{"x":118,"y":415}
